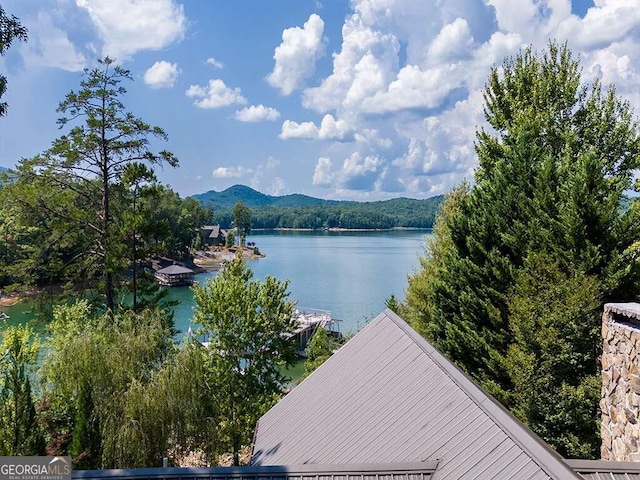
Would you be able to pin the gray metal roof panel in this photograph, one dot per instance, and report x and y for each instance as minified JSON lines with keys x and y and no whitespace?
{"x":606,"y":470}
{"x":389,"y":396}
{"x":398,"y":471}
{"x":175,"y":270}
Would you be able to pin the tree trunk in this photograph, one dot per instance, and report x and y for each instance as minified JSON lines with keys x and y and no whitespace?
{"x":236,"y":450}
{"x":108,"y":275}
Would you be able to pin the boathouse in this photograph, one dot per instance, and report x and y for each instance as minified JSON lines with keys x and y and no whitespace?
{"x":174,"y":275}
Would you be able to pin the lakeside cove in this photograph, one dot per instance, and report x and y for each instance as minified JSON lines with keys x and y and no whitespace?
{"x":348,"y":273}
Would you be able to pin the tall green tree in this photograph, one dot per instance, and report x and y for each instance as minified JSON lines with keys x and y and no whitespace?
{"x":19,"y":432}
{"x":85,"y":167}
{"x":242,"y":220}
{"x":10,"y":29}
{"x":552,"y":174}
{"x":248,"y":323}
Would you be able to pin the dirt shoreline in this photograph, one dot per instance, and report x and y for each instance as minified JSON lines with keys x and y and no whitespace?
{"x":10,"y":299}
{"x":201,"y":264}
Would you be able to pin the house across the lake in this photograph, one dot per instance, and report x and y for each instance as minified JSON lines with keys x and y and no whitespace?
{"x":213,"y":235}
{"x":174,"y":276}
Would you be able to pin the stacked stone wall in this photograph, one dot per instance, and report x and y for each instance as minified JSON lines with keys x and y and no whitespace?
{"x":620,"y":400}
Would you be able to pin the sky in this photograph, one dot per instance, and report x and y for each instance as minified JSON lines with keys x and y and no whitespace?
{"x":338,"y":99}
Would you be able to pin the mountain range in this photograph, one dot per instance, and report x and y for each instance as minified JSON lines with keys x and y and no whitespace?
{"x":226,"y":199}
{"x":303,"y":211}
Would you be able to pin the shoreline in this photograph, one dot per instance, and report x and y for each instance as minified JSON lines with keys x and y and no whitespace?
{"x":199,"y":265}
{"x":340,"y":229}
{"x":10,"y":299}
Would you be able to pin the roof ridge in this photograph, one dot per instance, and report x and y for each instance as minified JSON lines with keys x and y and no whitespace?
{"x":508,"y":423}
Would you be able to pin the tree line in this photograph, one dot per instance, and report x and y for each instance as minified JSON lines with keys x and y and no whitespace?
{"x":88,"y":213}
{"x":396,"y":213}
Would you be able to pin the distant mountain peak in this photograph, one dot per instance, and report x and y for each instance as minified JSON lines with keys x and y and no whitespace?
{"x":252,"y":198}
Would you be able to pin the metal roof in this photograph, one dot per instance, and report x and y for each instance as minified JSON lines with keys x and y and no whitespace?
{"x":390,"y":396}
{"x":175,"y":270}
{"x":606,"y":470}
{"x":398,"y":471}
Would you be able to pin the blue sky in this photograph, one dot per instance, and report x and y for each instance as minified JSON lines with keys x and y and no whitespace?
{"x":360,"y":99}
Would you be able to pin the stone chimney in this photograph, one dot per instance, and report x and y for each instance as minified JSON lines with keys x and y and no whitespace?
{"x":620,"y":398}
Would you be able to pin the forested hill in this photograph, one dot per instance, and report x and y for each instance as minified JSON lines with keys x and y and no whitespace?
{"x":226,"y":199}
{"x":302,"y":211}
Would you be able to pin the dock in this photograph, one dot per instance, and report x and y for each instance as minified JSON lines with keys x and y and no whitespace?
{"x":309,"y":320}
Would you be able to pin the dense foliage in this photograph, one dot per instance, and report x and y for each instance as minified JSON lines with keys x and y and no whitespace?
{"x":19,"y":433}
{"x":227,"y":199}
{"x":117,"y":392}
{"x":522,"y":263}
{"x":319,"y":349}
{"x":301,"y":211}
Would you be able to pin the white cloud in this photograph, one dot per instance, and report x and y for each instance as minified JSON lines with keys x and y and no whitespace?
{"x":49,"y":46}
{"x":330,"y":129}
{"x":415,"y":88}
{"x":215,"y":95}
{"x":367,"y":55}
{"x":161,"y":74}
{"x":305,"y":130}
{"x":257,"y":113}
{"x":520,"y":16}
{"x":129,"y":26}
{"x":296,"y":56}
{"x":265,"y":178}
{"x":454,"y":42}
{"x":231,"y":172}
{"x":408,"y":79}
{"x":214,"y":63}
{"x":323,"y":173}
{"x":360,"y":173}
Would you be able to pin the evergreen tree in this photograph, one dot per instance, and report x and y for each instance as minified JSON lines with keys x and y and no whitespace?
{"x":19,"y":431}
{"x":552,"y":174}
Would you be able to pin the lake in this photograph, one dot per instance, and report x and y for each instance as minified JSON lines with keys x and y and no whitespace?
{"x":350,"y":274}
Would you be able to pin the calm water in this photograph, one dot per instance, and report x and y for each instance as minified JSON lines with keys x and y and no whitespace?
{"x":350,"y":274}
